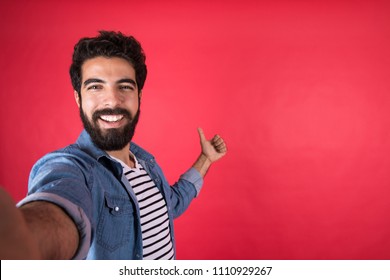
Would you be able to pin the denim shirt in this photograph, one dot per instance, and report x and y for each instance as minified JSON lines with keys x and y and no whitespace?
{"x":91,"y":187}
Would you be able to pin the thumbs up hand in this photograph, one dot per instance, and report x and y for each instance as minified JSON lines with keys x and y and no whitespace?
{"x":213,"y":149}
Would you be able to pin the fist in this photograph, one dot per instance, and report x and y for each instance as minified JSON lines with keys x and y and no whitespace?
{"x":213,"y":149}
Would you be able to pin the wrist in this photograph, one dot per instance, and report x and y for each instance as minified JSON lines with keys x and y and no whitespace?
{"x":202,"y":164}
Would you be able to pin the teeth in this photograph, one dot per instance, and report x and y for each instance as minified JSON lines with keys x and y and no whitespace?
{"x":111,"y":118}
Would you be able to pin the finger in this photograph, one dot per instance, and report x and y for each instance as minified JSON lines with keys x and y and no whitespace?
{"x":217,"y":140}
{"x":221,"y":148}
{"x":201,"y":134}
{"x":219,"y":145}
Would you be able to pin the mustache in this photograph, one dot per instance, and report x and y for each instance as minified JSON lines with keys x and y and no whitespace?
{"x":108,"y":111}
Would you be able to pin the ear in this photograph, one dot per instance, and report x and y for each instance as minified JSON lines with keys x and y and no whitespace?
{"x":77,"y":98}
{"x":140,"y":95}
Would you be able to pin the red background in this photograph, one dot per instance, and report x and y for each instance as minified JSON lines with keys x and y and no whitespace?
{"x":298,"y":89}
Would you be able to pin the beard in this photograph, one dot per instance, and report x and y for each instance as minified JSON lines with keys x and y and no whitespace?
{"x":112,"y":139}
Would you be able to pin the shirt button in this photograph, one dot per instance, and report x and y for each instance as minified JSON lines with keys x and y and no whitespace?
{"x":116,"y":208}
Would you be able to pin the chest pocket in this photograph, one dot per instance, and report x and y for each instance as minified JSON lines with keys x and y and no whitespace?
{"x":116,"y":225}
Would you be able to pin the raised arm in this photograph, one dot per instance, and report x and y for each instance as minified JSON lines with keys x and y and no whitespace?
{"x":53,"y":230}
{"x":37,"y":230}
{"x":16,"y":241}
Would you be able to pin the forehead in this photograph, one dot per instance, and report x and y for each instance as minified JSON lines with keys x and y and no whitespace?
{"x":103,"y":67}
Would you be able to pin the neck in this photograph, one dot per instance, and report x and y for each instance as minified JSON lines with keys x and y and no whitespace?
{"x":123,"y":155}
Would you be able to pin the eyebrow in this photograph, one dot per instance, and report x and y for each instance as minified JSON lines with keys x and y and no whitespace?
{"x":90,"y":81}
{"x":130,"y":81}
{"x":94,"y":80}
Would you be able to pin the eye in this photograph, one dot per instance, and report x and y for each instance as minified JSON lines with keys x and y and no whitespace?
{"x":94,"y":87}
{"x":126,"y":87}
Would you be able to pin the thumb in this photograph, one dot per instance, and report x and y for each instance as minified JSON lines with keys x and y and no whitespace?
{"x":201,"y":135}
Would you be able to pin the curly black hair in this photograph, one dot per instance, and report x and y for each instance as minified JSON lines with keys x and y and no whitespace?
{"x":108,"y":44}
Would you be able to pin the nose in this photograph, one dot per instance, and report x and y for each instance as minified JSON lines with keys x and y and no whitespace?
{"x":112,"y":98}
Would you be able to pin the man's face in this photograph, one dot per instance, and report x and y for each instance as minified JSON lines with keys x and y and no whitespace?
{"x":109,"y":104}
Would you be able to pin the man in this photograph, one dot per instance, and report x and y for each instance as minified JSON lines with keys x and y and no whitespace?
{"x":104,"y":197}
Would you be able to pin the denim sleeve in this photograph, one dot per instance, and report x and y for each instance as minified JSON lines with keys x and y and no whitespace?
{"x":184,"y":191}
{"x":194,"y":177}
{"x":61,"y":180}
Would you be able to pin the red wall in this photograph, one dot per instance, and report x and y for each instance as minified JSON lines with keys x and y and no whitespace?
{"x":300,"y":91}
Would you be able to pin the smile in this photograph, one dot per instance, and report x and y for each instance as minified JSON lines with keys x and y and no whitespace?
{"x":111,"y":118}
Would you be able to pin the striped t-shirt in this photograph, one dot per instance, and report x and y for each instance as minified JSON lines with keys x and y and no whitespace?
{"x":156,"y":235}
